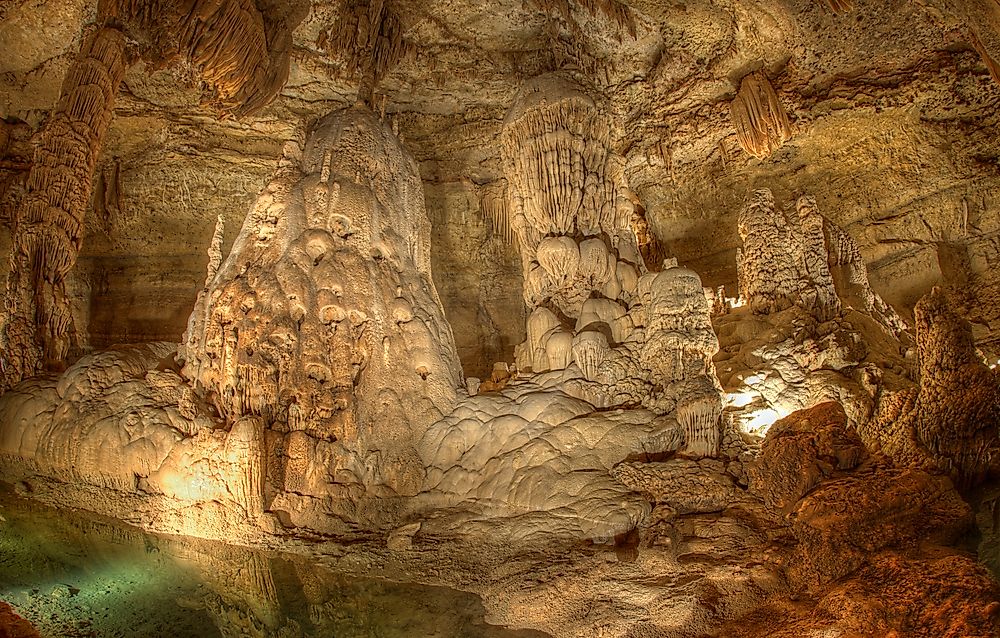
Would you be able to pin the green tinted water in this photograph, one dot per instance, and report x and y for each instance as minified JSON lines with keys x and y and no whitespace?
{"x":72,"y":574}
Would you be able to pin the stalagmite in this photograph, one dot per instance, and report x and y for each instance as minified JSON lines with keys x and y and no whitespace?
{"x":637,"y":453}
{"x":845,"y":265}
{"x":950,"y":422}
{"x":215,"y":251}
{"x":784,"y":262}
{"x":337,"y":341}
{"x":760,"y":119}
{"x":679,"y":346}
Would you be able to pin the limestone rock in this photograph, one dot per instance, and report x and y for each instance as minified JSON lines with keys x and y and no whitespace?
{"x":324,"y":318}
{"x":844,"y":521}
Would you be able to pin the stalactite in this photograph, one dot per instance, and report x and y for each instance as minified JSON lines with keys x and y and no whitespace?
{"x":244,"y":450}
{"x":565,"y":186}
{"x":760,"y":119}
{"x":240,"y":53}
{"x":15,"y":163}
{"x":653,"y":252}
{"x":699,"y":416}
{"x":368,"y":38}
{"x":107,"y":194}
{"x":227,"y":41}
{"x":37,"y":324}
{"x":493,"y":203}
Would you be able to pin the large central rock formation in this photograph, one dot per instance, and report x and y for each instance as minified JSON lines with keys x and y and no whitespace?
{"x":319,"y":342}
{"x":324,"y":321}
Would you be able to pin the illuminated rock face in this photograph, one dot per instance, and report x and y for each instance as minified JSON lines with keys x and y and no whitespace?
{"x":811,"y":329}
{"x":323,"y":320}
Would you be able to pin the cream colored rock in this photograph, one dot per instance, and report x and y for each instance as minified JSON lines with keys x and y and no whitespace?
{"x":590,"y":349}
{"x":534,"y":450}
{"x":558,"y":349}
{"x":472,"y":385}
{"x":597,"y":264}
{"x":605,"y":314}
{"x":328,"y":324}
{"x":560,"y":258}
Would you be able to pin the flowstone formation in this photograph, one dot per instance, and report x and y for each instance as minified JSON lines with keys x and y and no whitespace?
{"x":324,"y":321}
{"x":810,"y":327}
{"x":638,"y":338}
{"x":320,"y":346}
{"x":125,"y":436}
{"x":539,"y":453}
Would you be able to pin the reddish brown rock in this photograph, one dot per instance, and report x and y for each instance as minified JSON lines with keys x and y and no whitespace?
{"x":947,"y":596}
{"x":800,"y":451}
{"x":845,"y":521}
{"x":13,"y":626}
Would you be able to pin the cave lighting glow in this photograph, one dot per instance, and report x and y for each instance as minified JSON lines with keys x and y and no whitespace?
{"x":760,"y":421}
{"x":741,"y":399}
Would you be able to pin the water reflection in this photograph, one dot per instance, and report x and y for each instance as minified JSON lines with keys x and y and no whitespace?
{"x":73,"y":574}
